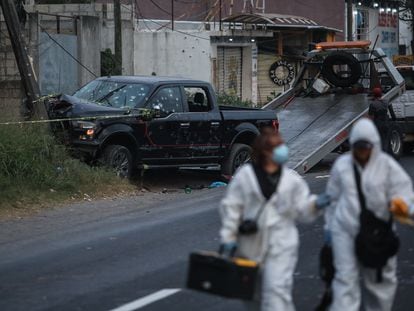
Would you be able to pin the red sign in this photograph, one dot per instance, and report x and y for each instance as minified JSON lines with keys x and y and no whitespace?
{"x":388,"y":20}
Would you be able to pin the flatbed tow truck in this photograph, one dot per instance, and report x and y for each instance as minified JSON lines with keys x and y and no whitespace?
{"x":331,"y":92}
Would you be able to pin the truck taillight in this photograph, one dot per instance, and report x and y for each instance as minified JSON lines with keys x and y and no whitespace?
{"x":275,"y":125}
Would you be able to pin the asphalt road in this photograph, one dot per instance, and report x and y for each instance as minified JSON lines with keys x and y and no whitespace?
{"x":103,"y":255}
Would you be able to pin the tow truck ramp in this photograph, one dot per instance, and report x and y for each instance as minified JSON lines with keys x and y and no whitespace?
{"x":315,"y":121}
{"x":314,"y":127}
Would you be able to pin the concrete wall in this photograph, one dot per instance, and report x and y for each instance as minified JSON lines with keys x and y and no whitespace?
{"x":89,"y":43}
{"x":8,"y":66}
{"x":247,"y":73}
{"x":58,"y":72}
{"x":11,"y":93}
{"x":107,"y":41}
{"x":95,"y":31}
{"x":173,"y":54}
{"x":10,"y":101}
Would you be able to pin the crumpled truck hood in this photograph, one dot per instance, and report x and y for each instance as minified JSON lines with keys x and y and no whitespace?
{"x":67,"y":106}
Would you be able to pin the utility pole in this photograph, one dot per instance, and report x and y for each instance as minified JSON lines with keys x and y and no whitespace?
{"x":172,"y":15}
{"x":27,"y":75}
{"x":350,"y":20}
{"x":118,"y":37}
{"x":411,"y":8}
{"x":220,"y":24}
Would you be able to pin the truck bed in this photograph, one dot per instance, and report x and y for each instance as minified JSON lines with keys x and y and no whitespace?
{"x":313,"y":127}
{"x":232,"y":108}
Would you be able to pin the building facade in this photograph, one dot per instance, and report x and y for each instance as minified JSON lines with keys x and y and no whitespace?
{"x":251,"y":50}
{"x":378,"y":21}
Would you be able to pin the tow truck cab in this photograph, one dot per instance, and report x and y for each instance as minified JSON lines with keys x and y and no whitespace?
{"x":403,"y":108}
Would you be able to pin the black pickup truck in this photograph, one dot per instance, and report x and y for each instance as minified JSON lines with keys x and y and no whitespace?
{"x":137,"y":122}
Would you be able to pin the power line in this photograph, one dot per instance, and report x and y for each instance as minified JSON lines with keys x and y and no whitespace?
{"x":140,"y":14}
{"x":67,"y":52}
{"x":168,"y":12}
{"x":159,"y":7}
{"x":166,"y":25}
{"x":186,"y":2}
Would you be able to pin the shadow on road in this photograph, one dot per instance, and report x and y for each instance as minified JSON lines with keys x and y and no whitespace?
{"x":174,"y":180}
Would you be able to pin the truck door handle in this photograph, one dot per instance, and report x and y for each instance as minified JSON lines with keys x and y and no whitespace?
{"x":185,"y":124}
{"x":215,"y":124}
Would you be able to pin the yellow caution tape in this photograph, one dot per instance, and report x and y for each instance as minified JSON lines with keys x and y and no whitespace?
{"x":71,"y":119}
{"x":144,"y":113}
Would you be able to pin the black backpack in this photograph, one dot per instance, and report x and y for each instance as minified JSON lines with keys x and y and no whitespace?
{"x":376,"y":241}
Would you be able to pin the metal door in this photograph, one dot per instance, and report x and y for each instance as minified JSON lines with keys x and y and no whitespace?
{"x":165,"y":133}
{"x":205,"y":123}
{"x":58,"y":72}
{"x":230,"y":68}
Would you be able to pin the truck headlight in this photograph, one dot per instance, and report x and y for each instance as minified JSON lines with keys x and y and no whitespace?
{"x":87,"y":127}
{"x":84,"y":125}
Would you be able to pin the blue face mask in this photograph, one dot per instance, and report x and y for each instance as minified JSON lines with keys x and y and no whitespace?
{"x":281,"y":154}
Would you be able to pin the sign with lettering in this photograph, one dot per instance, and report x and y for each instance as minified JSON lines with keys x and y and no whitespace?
{"x":281,"y":72}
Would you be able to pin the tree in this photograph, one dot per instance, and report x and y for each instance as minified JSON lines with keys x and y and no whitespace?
{"x":406,"y":14}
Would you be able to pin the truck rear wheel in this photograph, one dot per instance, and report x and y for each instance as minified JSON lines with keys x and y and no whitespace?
{"x":239,"y":155}
{"x":395,"y":142}
{"x":118,"y":158}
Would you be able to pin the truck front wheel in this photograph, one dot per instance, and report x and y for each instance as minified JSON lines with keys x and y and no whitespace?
{"x":239,"y":155}
{"x":118,"y":158}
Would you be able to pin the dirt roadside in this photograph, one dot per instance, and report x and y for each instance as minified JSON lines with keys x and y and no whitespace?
{"x":153,"y":186}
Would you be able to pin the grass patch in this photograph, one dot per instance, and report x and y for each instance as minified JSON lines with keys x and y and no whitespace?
{"x":233,"y":100}
{"x":36,"y":170}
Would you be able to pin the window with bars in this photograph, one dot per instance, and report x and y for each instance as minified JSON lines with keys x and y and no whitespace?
{"x":362,"y":24}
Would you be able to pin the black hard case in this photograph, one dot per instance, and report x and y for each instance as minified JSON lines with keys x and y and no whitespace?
{"x":215,"y":274}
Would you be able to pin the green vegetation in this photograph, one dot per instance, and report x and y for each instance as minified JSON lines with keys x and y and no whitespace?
{"x":233,"y":100}
{"x":35,"y":170}
{"x":107,"y":63}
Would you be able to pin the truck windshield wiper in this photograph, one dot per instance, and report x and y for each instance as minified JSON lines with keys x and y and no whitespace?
{"x":105,"y":97}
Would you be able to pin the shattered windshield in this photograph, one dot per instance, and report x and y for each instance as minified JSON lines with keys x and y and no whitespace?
{"x":114,"y":94}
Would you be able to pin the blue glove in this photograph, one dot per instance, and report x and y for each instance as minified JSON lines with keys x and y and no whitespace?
{"x":327,"y":237}
{"x":228,"y":249}
{"x":323,"y":200}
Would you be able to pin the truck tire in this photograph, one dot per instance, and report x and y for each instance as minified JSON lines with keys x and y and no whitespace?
{"x":338,"y":79}
{"x":395,"y":145}
{"x":119,"y":159}
{"x":239,"y":154}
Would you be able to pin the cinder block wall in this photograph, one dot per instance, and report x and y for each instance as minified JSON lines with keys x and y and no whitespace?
{"x":10,"y":101}
{"x":11,"y":93}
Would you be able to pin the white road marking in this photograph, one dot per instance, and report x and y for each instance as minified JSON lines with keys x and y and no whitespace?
{"x":144,"y":301}
{"x":322,"y":176}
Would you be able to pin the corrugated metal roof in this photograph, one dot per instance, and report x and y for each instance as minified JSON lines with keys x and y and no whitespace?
{"x":277,"y":21}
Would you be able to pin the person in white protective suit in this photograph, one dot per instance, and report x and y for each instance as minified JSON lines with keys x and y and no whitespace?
{"x":382,"y":181}
{"x":283,"y":197}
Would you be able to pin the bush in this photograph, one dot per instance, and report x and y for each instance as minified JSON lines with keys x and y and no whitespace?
{"x":35,"y":169}
{"x":233,"y":100}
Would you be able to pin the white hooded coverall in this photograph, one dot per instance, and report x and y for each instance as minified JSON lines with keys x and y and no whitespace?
{"x":276,"y":243}
{"x":382,"y":179}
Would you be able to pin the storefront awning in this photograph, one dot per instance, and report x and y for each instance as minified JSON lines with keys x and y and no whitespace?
{"x":277,"y":21}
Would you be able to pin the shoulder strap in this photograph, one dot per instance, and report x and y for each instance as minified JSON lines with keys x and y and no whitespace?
{"x":361,"y":195}
{"x":358,"y":184}
{"x":259,"y":213}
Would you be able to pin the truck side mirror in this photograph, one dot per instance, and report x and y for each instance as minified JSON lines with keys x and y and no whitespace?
{"x":158,"y":112}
